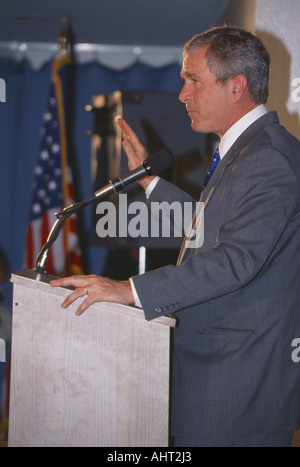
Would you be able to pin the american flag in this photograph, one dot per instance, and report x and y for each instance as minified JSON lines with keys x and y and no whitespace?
{"x":52,"y":186}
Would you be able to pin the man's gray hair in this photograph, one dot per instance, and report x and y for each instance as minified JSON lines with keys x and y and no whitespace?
{"x":232,"y":51}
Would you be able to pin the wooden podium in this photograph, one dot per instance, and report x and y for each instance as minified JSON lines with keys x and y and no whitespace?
{"x":95,"y":380}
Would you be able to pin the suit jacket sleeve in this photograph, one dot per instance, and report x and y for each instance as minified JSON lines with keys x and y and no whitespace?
{"x":166,"y":191}
{"x":260,"y":200}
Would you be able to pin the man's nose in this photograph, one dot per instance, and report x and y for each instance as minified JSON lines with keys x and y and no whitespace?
{"x":183,"y":96}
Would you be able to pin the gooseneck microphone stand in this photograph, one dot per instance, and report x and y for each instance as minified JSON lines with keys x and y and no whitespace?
{"x":155,"y":164}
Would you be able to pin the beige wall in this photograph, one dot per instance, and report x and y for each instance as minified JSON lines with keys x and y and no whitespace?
{"x":277,"y":23}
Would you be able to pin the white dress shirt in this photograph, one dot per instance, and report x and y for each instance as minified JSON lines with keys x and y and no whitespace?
{"x":239,"y":127}
{"x":224,"y":145}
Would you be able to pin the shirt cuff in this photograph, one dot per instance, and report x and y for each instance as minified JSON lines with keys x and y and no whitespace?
{"x":151,"y":187}
{"x":137,"y":301}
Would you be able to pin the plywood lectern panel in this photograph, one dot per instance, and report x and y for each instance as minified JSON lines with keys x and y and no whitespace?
{"x":99,"y":379}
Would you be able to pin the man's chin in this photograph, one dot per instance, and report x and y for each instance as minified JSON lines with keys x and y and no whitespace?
{"x":196,"y":127}
{"x":200,"y":128}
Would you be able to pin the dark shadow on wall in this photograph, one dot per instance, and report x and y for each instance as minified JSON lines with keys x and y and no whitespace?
{"x":280,"y":82}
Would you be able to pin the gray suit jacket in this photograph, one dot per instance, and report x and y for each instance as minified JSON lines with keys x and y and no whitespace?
{"x":237,"y":298}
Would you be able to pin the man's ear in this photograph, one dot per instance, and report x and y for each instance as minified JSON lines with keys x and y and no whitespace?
{"x":239,"y":85}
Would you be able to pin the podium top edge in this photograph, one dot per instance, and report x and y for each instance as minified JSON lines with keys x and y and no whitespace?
{"x":33,"y":274}
{"x":45,"y":278}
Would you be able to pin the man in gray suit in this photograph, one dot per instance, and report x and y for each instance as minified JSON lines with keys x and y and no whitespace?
{"x":237,"y":298}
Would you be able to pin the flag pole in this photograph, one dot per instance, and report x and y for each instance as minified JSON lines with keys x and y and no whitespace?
{"x":53,"y":178}
{"x":63,"y":38}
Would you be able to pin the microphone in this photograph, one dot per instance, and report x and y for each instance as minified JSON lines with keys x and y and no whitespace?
{"x":153,"y":165}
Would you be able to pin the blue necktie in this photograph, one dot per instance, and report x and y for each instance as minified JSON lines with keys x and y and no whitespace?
{"x":215,"y":161}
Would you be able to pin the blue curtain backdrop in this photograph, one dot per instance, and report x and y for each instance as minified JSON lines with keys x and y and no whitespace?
{"x":20,"y":124}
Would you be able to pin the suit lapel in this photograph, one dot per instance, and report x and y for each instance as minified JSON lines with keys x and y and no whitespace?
{"x":234,"y":152}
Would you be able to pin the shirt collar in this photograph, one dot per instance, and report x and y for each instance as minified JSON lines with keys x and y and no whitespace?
{"x":239,"y":127}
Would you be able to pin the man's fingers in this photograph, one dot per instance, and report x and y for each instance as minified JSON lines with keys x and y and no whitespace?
{"x":126,"y":129}
{"x":67,"y":281}
{"x":93,"y":295}
{"x":59,"y":282}
{"x":75,"y":281}
{"x":84,"y":306}
{"x":96,"y":289}
{"x":130,"y":140}
{"x":81,"y":284}
{"x":79,"y":292}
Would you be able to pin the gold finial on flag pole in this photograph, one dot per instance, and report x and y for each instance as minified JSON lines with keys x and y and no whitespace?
{"x":63,"y":38}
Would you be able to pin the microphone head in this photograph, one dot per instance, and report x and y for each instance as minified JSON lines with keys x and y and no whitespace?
{"x":160,"y":161}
